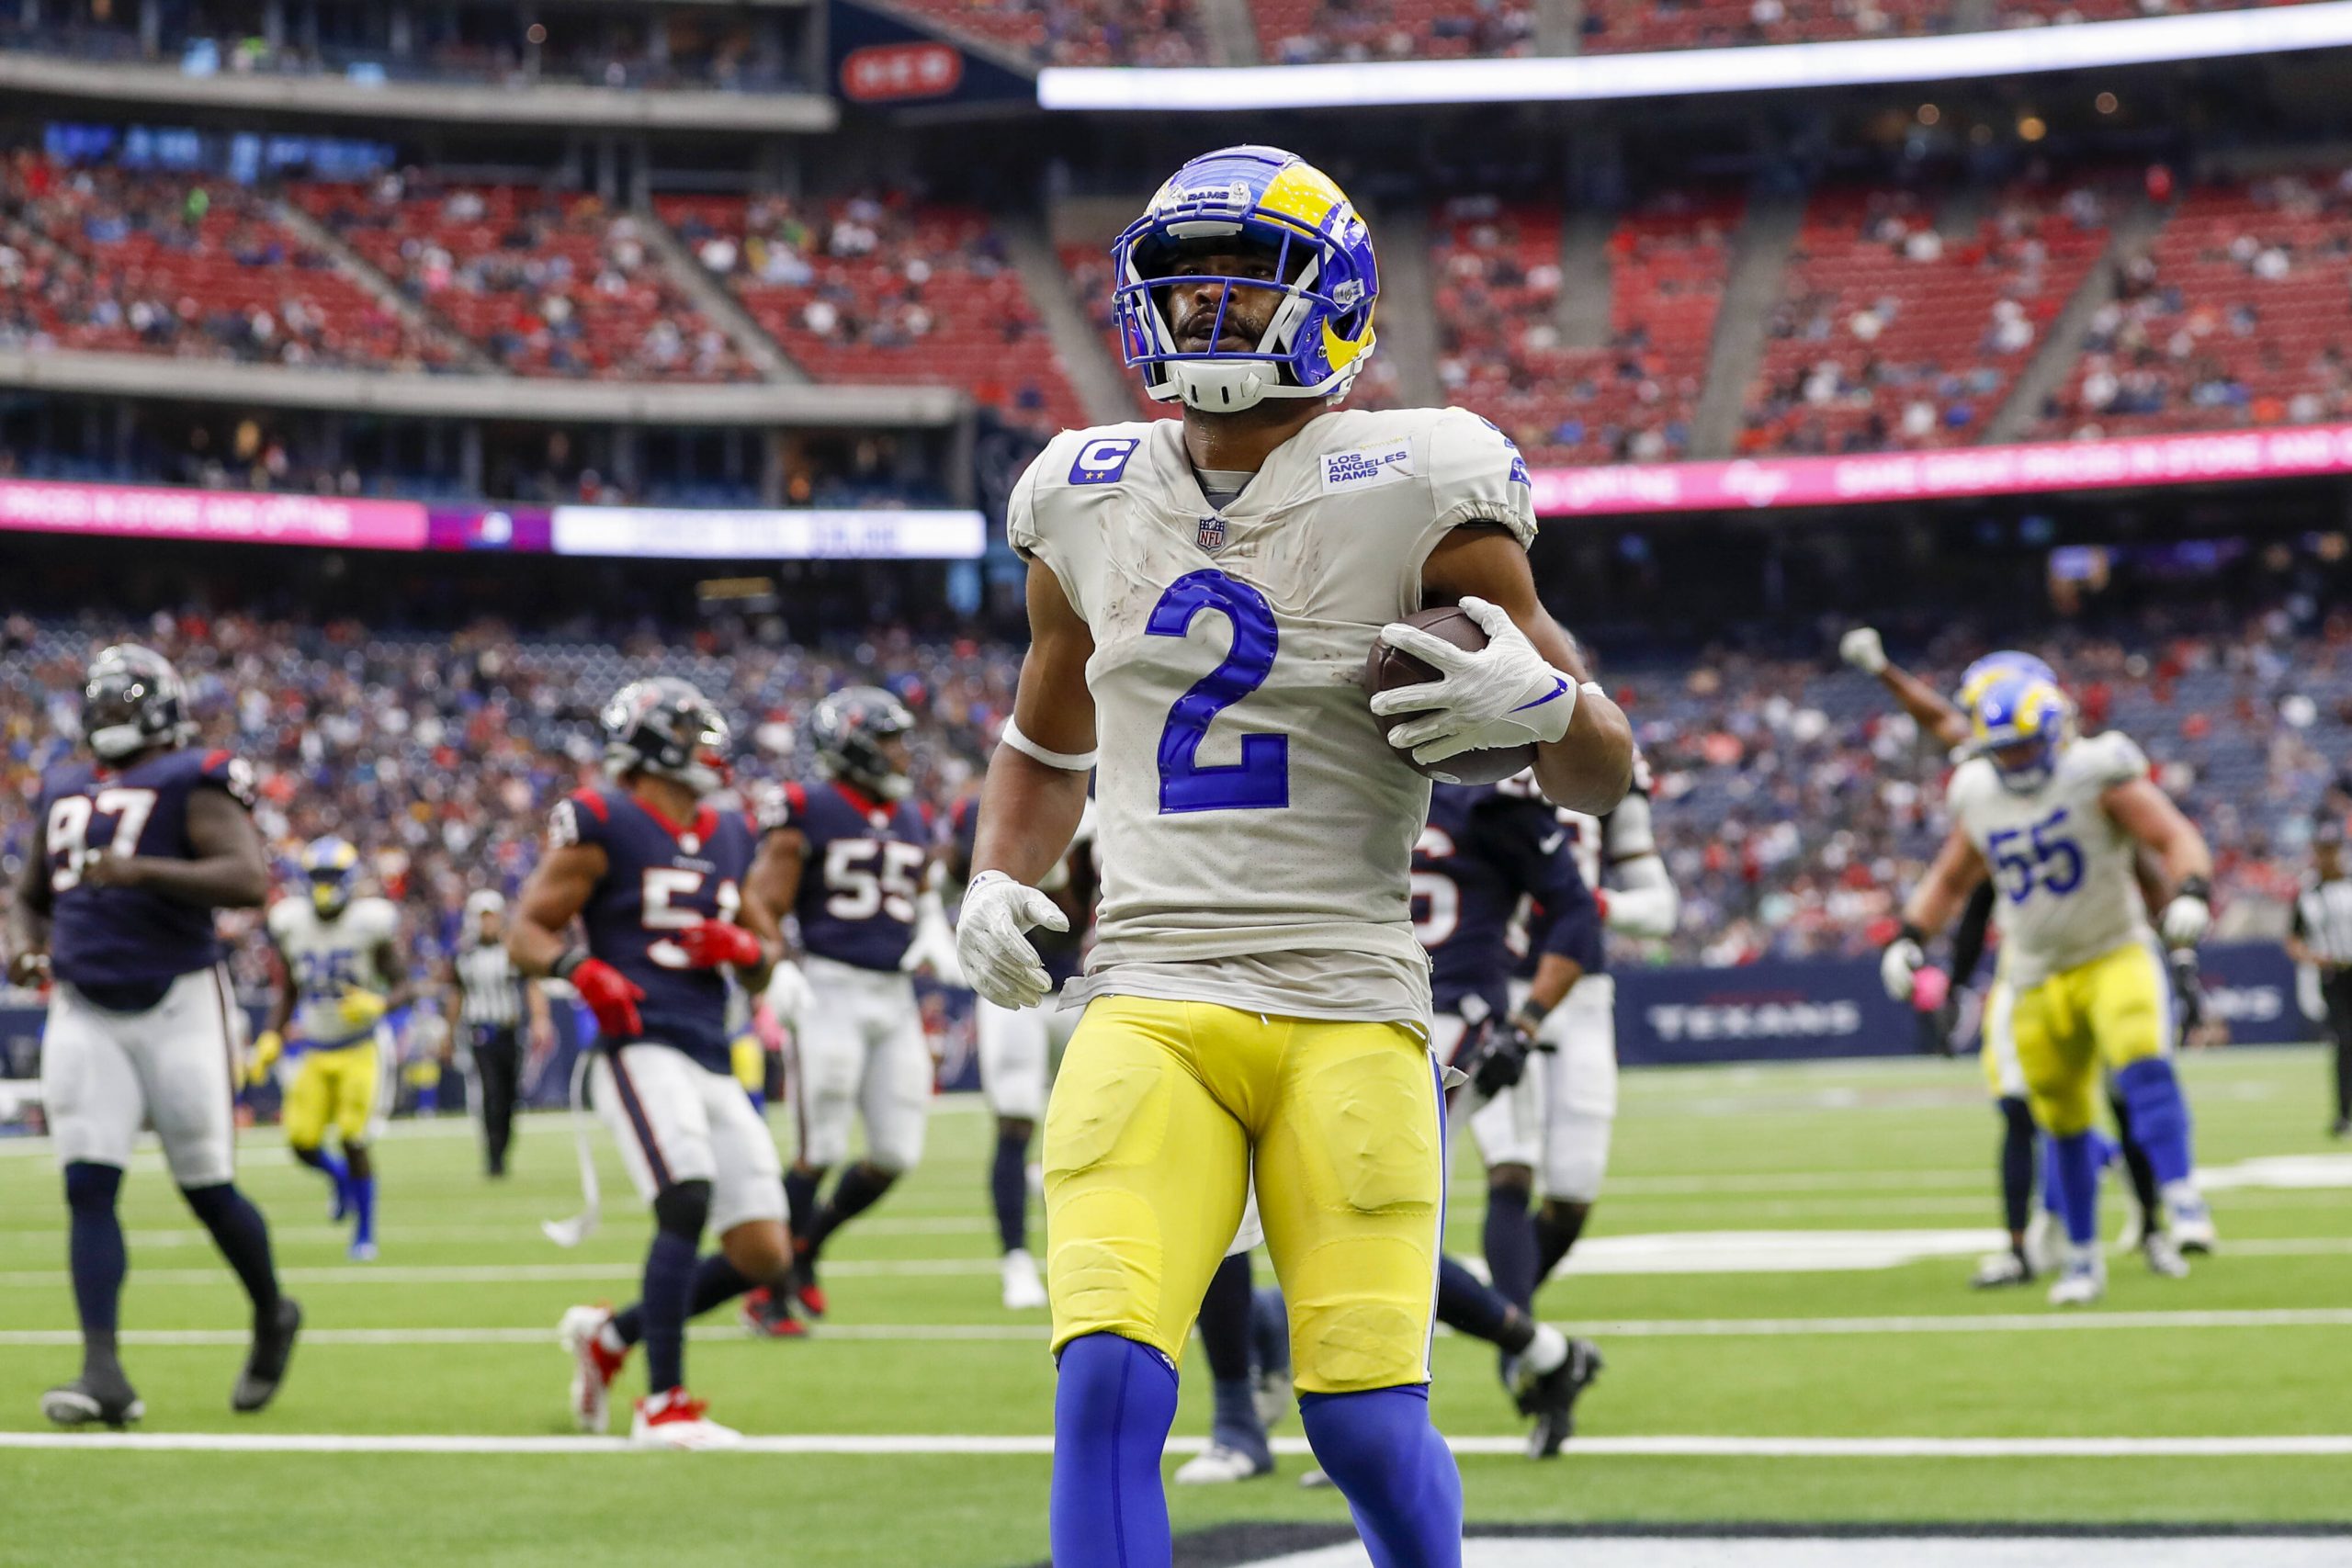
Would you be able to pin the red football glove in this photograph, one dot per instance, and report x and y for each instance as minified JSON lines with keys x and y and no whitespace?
{"x":611,"y":996}
{"x":1601,"y":902}
{"x":714,"y":943}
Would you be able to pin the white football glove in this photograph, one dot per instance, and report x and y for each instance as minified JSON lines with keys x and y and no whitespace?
{"x":2187,"y":920}
{"x":933,"y":947}
{"x":1861,"y":648}
{"x":1504,"y":694}
{"x":993,"y":940}
{"x":1899,"y":966}
{"x":787,"y":994}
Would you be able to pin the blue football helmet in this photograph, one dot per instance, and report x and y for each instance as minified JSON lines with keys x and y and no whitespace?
{"x":663,"y":726}
{"x":332,"y":865}
{"x":132,"y":700}
{"x":1258,"y":199}
{"x":2018,"y":724}
{"x":1977,"y":677}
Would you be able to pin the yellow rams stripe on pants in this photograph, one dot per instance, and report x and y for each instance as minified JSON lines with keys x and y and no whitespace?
{"x":2109,"y":1013}
{"x":1148,"y":1155}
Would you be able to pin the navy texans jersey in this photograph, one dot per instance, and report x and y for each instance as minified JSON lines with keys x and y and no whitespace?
{"x":1073,"y":887}
{"x":1483,"y":852}
{"x":861,"y":875}
{"x":660,"y":878}
{"x":1595,"y":843}
{"x":127,"y":942}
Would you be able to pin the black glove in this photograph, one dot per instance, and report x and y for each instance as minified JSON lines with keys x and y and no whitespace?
{"x":1503,"y":1056}
{"x":2188,"y":986}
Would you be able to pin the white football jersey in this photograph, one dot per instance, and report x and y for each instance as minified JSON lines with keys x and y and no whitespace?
{"x":329,"y":957}
{"x":1255,"y":830}
{"x":2064,"y":870}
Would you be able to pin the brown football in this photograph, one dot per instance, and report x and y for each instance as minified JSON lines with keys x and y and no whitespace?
{"x":1386,"y":670}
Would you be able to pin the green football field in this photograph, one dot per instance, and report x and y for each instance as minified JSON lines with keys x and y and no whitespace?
{"x":1777,"y":1274}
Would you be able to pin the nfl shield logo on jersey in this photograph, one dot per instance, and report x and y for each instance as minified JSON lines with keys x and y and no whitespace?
{"x":1212,"y":534}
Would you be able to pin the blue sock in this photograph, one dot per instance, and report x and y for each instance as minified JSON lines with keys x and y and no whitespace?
{"x":428,"y":1102}
{"x":2159,"y":1117}
{"x":95,"y":1250}
{"x":2074,"y":1165}
{"x":1114,"y":1403}
{"x":2051,"y":1202}
{"x":667,"y":1286}
{"x":1395,"y":1471}
{"x":1009,"y":1190}
{"x":1510,"y":1244}
{"x":363,"y":1203}
{"x":332,"y":1169}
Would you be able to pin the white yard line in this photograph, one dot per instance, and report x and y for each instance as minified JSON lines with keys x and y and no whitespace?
{"x":1017,"y":1331}
{"x":905,"y":1445}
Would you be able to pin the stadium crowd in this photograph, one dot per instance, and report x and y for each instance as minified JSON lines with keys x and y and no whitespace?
{"x":1793,"y":800}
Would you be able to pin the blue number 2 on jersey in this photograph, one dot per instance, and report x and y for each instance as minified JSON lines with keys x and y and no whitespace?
{"x":2056,"y":863}
{"x":1261,"y":779}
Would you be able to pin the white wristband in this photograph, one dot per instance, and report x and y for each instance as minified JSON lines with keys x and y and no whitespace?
{"x":1068,"y":761}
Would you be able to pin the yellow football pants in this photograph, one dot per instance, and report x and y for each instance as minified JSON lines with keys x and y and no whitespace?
{"x":337,"y":1088}
{"x":1150,"y":1136}
{"x":2110,"y":1012}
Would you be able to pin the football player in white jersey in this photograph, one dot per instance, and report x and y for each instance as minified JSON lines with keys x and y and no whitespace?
{"x":2028,"y":1254}
{"x":343,"y":973}
{"x":2056,"y":821}
{"x":1569,"y":1099}
{"x":1203,"y":596}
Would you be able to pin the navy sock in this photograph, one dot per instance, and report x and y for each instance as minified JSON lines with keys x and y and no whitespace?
{"x":860,"y":1186}
{"x":1510,"y":1244}
{"x":2159,"y":1116}
{"x":95,"y":1250}
{"x":329,"y":1166}
{"x":363,"y":1204}
{"x":1114,"y":1403}
{"x":2017,"y":1164}
{"x":1557,"y":1225}
{"x":801,"y":1198}
{"x":1224,"y":1320}
{"x":662,"y":1305}
{"x":1009,"y":1189}
{"x":1395,"y":1471}
{"x":1469,"y":1307}
{"x":2074,"y":1174}
{"x":1270,"y":1332}
{"x":1234,"y":1422}
{"x":242,"y":1237}
{"x":2142,"y":1170}
{"x":717,"y":1281}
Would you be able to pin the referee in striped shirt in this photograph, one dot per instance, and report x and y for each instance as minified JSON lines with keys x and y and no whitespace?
{"x":2322,"y":937}
{"x":493,"y":1002}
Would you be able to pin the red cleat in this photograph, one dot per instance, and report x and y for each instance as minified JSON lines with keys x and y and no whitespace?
{"x":769,"y":1318}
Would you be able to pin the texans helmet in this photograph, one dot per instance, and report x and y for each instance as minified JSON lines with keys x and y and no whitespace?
{"x":1257,"y":201}
{"x":665,"y":727}
{"x":2020,"y":724}
{"x":853,"y":729}
{"x":132,"y":701}
{"x":332,"y":865}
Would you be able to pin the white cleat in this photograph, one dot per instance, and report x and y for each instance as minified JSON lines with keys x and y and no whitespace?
{"x":1999,"y":1271}
{"x":2189,"y":1220}
{"x":594,"y":1366}
{"x":2042,"y":1242}
{"x":676,"y":1420}
{"x":362,"y":1252}
{"x":2162,"y":1254}
{"x":2082,"y":1283}
{"x":1023,"y":1290}
{"x":1216,"y":1465}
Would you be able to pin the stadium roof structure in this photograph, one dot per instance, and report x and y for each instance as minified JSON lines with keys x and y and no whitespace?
{"x":2215,"y":35}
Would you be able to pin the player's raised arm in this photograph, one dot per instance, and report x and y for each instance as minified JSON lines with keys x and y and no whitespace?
{"x":1529,"y":672}
{"x":1031,"y":803}
{"x":229,"y":870}
{"x":1930,"y":708}
{"x":2145,"y":812}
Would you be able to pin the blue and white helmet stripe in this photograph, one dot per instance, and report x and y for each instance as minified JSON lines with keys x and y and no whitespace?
{"x":1255,"y":198}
